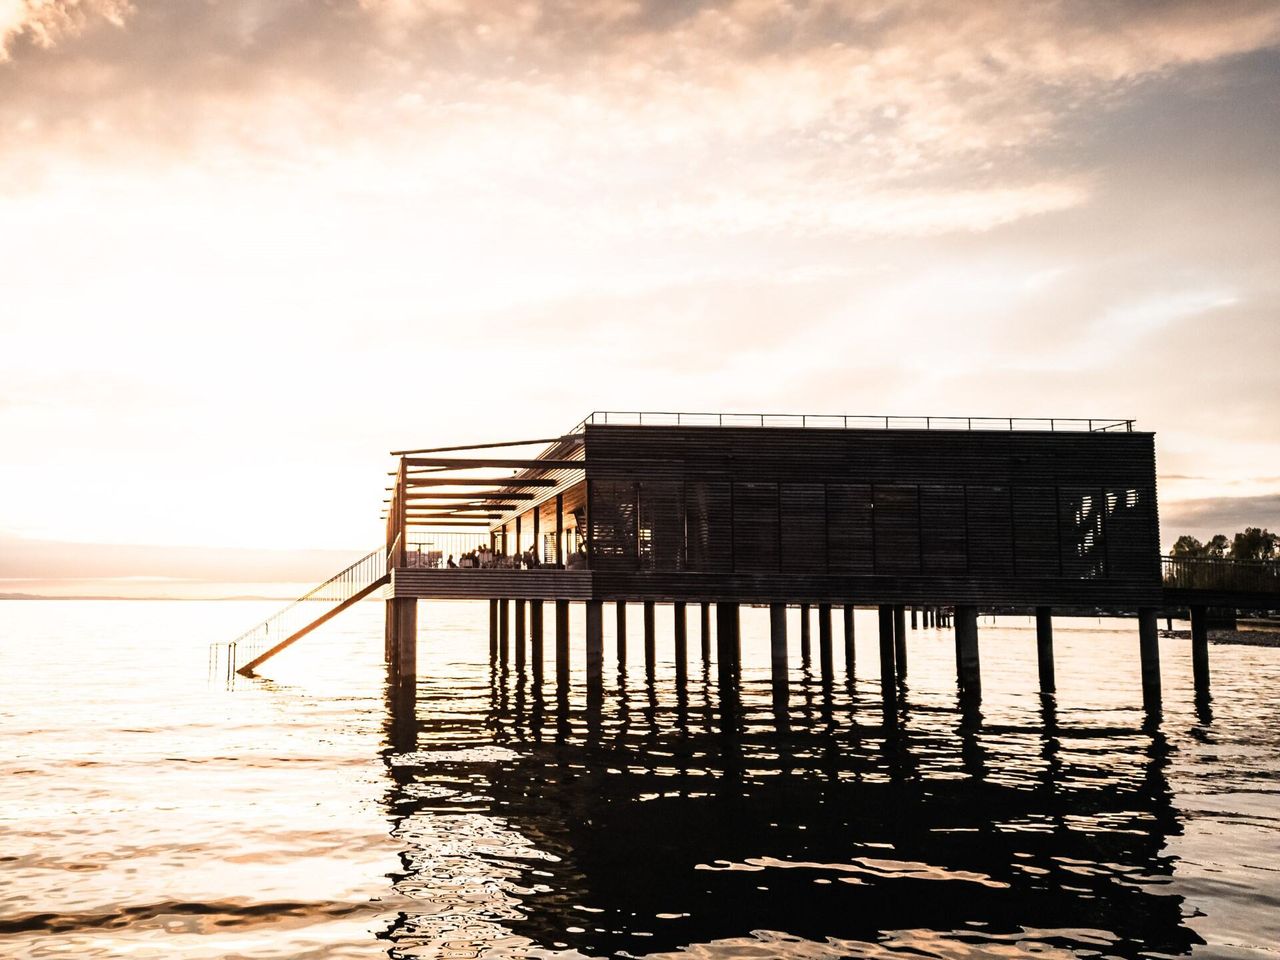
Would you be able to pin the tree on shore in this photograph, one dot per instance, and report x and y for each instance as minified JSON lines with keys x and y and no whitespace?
{"x":1252,"y":543}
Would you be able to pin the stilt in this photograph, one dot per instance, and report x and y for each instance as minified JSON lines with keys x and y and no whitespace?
{"x":1200,"y":650}
{"x":595,"y":643}
{"x":562,"y":645}
{"x":535,"y":638}
{"x":804,"y":634}
{"x":888,"y":671}
{"x":778,"y":640}
{"x":650,"y":640}
{"x":1044,"y":648}
{"x":620,"y":611}
{"x":900,"y":641}
{"x":504,"y":631}
{"x":849,"y":655}
{"x":681,"y":618}
{"x":1149,"y":647}
{"x":728,"y":642}
{"x":520,"y":635}
{"x":493,"y":631}
{"x":704,"y":630}
{"x":966,"y":626}
{"x":402,"y":621}
{"x":913,"y":618}
{"x":824,"y":641}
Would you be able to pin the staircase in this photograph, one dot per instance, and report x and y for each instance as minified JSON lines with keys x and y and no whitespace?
{"x":344,"y":589}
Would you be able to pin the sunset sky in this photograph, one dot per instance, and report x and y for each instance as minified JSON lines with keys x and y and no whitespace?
{"x":248,"y":247}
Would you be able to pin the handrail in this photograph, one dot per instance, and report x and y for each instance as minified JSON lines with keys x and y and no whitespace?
{"x":294,"y":618}
{"x":851,"y":422}
{"x":1221,"y":573}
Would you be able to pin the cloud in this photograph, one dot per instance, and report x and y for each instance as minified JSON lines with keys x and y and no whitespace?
{"x":44,"y":23}
{"x":1205,"y":517}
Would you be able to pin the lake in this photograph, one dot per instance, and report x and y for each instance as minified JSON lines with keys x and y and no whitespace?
{"x":151,"y":808}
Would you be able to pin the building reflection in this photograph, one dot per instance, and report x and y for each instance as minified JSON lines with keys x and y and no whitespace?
{"x":643,"y":820}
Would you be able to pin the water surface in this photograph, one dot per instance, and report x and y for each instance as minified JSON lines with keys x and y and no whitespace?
{"x":147,"y":811}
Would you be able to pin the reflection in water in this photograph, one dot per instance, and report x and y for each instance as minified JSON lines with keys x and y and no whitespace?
{"x":806,"y":822}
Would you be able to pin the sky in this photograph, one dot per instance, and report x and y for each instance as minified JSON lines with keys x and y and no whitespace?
{"x":247,"y":247}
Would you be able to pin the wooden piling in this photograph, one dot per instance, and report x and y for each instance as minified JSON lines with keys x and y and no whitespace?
{"x":620,"y":631}
{"x":535,"y":637}
{"x":704,"y":630}
{"x":888,"y":670}
{"x":402,"y":614}
{"x":728,"y":641}
{"x":562,"y":644}
{"x":595,"y":643}
{"x":966,"y":627}
{"x":650,"y":638}
{"x":1044,"y":648}
{"x":493,"y":631}
{"x":681,"y":625}
{"x":900,"y":641}
{"x":504,"y":631}
{"x":804,"y":634}
{"x":849,"y":655}
{"x":913,"y":619}
{"x":520,"y":634}
{"x":1149,"y":649}
{"x":824,"y":641}
{"x":1200,"y":649}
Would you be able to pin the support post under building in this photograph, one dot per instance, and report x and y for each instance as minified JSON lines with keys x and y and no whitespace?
{"x":1044,"y":648}
{"x":966,"y":627}
{"x":888,"y":670}
{"x":1200,"y":649}
{"x":1149,"y":648}
{"x":849,"y":655}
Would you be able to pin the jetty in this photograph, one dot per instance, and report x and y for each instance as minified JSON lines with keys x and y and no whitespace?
{"x":929,"y":520}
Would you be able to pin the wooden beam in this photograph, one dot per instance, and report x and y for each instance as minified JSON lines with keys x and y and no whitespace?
{"x":474,"y":524}
{"x":481,"y":482}
{"x":487,"y":446}
{"x":470,"y":496}
{"x":462,"y":463}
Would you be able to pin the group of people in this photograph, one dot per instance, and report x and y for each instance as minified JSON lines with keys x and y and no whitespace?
{"x":484,"y":556}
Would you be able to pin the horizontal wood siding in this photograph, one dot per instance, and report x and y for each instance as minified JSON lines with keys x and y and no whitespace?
{"x":989,"y":508}
{"x":489,"y":584}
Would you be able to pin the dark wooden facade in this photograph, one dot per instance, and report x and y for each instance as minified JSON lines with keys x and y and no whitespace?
{"x":873,"y":516}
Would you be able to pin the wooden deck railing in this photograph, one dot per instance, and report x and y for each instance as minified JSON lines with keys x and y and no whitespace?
{"x":1222,"y":575}
{"x":852,"y":422}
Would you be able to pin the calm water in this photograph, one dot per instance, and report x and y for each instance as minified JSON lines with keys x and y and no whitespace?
{"x":148,"y":812}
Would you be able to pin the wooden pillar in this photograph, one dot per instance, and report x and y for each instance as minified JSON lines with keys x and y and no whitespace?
{"x":535,"y":637}
{"x":650,"y":641}
{"x":804,"y":634}
{"x":620,"y":631}
{"x":913,"y":619}
{"x":778,"y":643}
{"x":504,"y":630}
{"x":517,"y":551}
{"x":562,"y":644}
{"x":849,"y":656}
{"x":520,"y":635}
{"x":681,"y":619}
{"x":1044,"y":648}
{"x":537,"y":530}
{"x":900,"y":640}
{"x":728,"y":642}
{"x":1149,"y":648}
{"x":888,"y":671}
{"x":402,"y":616}
{"x":1200,"y":649}
{"x":704,"y":630}
{"x":824,"y":640}
{"x":595,"y":643}
{"x":493,"y":631}
{"x":559,"y":529}
{"x":966,"y":626}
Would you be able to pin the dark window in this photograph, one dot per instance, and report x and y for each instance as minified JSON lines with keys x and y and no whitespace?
{"x":661,"y":537}
{"x":803,"y":507}
{"x":1132,"y":548}
{"x":708,"y":524}
{"x":613,"y":524}
{"x":1080,"y":520}
{"x":897,"y":527}
{"x":1035,"y":531}
{"x":850,"y":548}
{"x":755,"y":527}
{"x":942,"y":525}
{"x":990,"y":513}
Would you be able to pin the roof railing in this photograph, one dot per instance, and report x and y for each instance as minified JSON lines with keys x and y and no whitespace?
{"x":851,"y":422}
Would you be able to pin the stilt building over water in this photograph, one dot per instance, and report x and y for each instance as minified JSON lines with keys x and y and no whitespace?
{"x":942,"y":517}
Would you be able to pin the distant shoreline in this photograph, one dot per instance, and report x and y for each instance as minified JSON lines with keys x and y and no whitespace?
{"x":35,"y":596}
